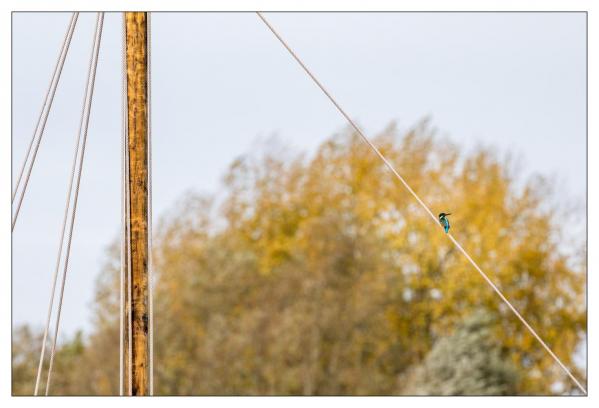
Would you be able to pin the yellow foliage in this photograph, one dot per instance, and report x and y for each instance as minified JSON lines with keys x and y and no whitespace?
{"x":320,"y":274}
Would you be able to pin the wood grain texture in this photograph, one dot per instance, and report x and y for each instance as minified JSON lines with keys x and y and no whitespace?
{"x":137,"y":69}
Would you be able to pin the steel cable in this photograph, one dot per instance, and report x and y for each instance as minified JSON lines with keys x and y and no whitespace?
{"x":424,"y":206}
{"x":124,"y":181}
{"x":43,"y":118}
{"x":58,"y":258}
{"x":150,"y":246}
{"x":84,"y":124}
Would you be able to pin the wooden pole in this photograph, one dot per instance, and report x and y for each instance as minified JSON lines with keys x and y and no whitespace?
{"x":137,"y":113}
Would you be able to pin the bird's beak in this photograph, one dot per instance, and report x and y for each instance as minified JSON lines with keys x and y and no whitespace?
{"x":448,"y":214}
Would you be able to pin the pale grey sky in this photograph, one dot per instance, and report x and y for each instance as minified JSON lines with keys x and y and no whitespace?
{"x":515,"y":81}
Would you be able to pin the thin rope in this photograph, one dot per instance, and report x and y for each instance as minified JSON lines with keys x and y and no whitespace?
{"x":123,"y":207}
{"x":59,"y":59}
{"x":129,"y":276}
{"x":424,"y":206}
{"x":84,"y":125}
{"x":59,"y":255}
{"x":43,"y":118}
{"x":150,"y":246}
{"x":129,"y":279}
{"x":513,"y":309}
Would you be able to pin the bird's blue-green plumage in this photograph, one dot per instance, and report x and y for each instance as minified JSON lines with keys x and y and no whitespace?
{"x":444,"y":221}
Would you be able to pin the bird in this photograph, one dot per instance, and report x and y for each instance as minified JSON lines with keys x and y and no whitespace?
{"x":444,"y":221}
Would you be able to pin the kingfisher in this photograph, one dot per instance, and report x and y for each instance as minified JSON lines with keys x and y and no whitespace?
{"x":444,"y":221}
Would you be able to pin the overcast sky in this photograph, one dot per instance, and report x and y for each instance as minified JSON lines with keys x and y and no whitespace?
{"x":221,"y":81}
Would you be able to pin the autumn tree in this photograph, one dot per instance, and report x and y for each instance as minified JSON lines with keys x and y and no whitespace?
{"x":25,"y":355}
{"x":319,"y":274}
{"x":325,"y":277}
{"x":468,"y":362}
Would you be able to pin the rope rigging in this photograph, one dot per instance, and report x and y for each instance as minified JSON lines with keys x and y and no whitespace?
{"x":150,"y":250}
{"x":43,"y":118}
{"x":422,"y":204}
{"x":77,"y":161}
{"x":55,"y":276}
{"x":125,"y":254}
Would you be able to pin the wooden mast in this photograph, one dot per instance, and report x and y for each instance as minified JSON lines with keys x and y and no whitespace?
{"x":137,"y":114}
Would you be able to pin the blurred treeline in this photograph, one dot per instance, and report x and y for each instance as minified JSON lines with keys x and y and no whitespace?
{"x":321,"y":275}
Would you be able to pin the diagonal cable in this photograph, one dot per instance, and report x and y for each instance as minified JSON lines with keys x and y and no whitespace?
{"x":124,"y":198}
{"x":53,"y":83}
{"x":150,"y":243}
{"x":58,"y":258}
{"x":43,"y":118}
{"x":84,"y":125}
{"x":422,"y":204}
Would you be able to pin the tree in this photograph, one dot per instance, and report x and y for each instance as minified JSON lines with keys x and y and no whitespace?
{"x":326,"y":278}
{"x":25,"y":356}
{"x":320,"y":275}
{"x":468,"y":362}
